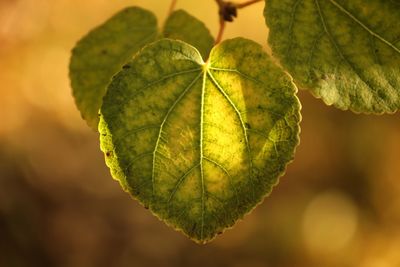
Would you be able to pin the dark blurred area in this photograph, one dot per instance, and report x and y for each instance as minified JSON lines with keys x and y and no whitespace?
{"x":337,"y":205}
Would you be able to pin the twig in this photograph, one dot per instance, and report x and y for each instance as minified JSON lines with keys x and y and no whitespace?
{"x":248,"y":3}
{"x":172,"y":7}
{"x":220,"y":31}
{"x":227,"y":12}
{"x":220,"y":2}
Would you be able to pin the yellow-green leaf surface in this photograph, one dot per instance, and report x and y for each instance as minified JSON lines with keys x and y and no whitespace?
{"x":345,"y":52}
{"x":101,"y":53}
{"x":182,"y":26}
{"x":200,"y":144}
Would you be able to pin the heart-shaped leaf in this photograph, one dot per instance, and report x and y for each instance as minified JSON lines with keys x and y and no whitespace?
{"x":101,"y":53}
{"x":345,"y":52}
{"x":200,"y":144}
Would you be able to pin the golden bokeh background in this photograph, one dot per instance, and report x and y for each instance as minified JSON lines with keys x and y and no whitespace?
{"x":338,"y":204}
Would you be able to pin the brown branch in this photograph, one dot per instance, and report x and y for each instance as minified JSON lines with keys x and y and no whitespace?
{"x":172,"y":7}
{"x":227,"y":12}
{"x":248,"y":3}
{"x":220,"y":3}
{"x":220,"y":31}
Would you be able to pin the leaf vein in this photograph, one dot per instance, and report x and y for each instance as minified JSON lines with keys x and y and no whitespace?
{"x":230,"y":179}
{"x":166,"y":77}
{"x":238,"y":72}
{"x":135,"y":160}
{"x":291,"y":23}
{"x":162,"y":125}
{"x":340,"y":53}
{"x":312,"y":52}
{"x":345,"y":11}
{"x":243,"y":126}
{"x":180,"y":181}
{"x":132,"y":132}
{"x":203,"y":87}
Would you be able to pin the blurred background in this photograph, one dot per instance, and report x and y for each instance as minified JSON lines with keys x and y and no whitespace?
{"x":338,"y":204}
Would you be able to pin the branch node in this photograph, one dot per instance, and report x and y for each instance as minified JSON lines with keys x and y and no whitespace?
{"x":228,"y":11}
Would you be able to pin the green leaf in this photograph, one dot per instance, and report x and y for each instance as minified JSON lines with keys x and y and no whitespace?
{"x":345,"y":52}
{"x":182,"y":26}
{"x":101,"y":54}
{"x":200,"y":144}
